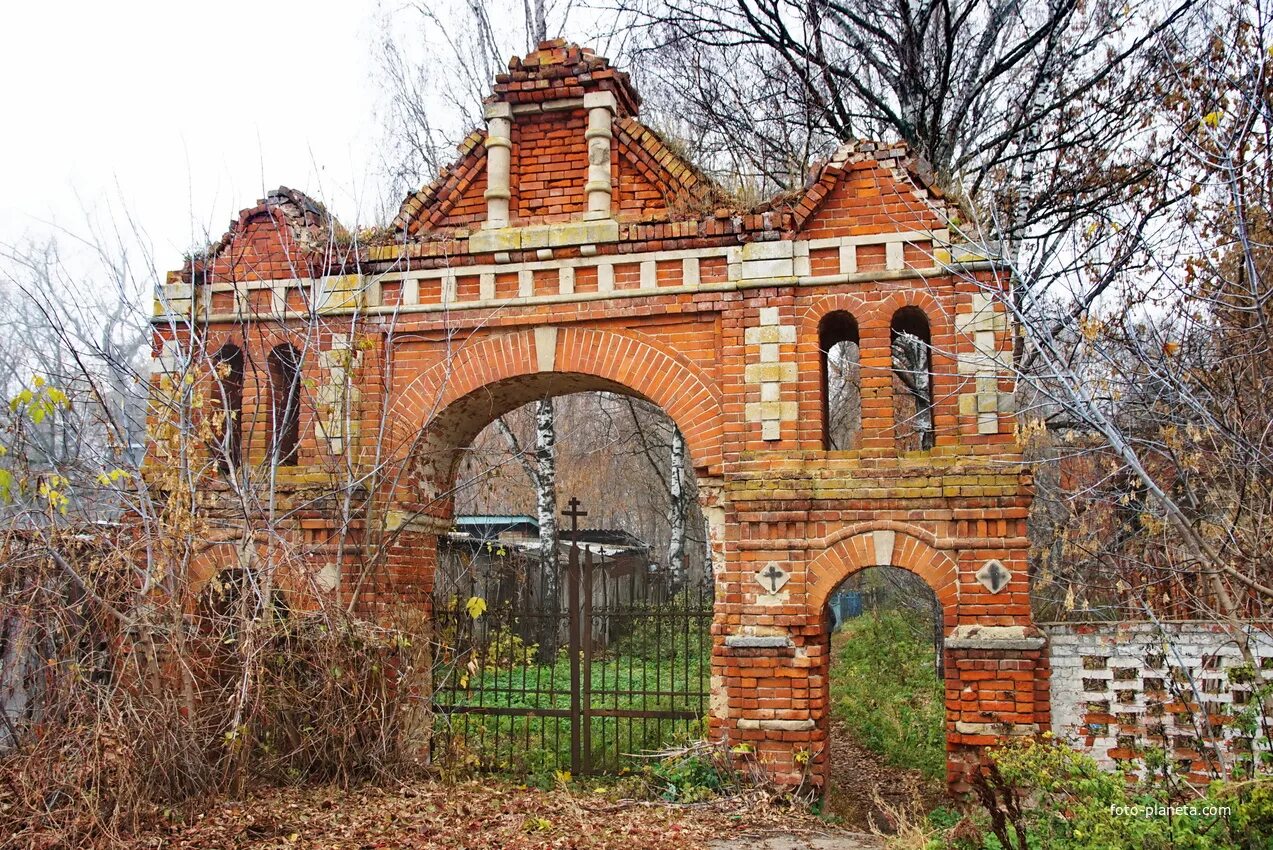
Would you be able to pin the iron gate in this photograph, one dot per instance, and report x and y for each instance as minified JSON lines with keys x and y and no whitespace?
{"x":584,"y":668}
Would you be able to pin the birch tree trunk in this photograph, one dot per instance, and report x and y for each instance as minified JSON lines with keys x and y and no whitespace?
{"x":538,"y":23}
{"x":910,"y":356}
{"x":15,"y":637}
{"x":677,"y":510}
{"x":546,"y":508}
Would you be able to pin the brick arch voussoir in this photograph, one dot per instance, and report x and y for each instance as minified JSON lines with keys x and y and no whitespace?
{"x":939,"y":322}
{"x":469,"y":367}
{"x":852,"y":550}
{"x":925,"y":536}
{"x":213,"y":345}
{"x":211,"y":559}
{"x":640,"y":364}
{"x":823,"y":305}
{"x":224,"y":553}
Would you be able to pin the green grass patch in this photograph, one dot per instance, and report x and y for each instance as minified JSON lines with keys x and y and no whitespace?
{"x":884,"y":687}
{"x":640,"y":673}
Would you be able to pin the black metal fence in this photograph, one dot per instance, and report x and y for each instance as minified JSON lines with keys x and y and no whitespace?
{"x":583,"y":668}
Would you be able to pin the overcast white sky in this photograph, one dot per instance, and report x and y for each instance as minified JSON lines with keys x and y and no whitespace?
{"x":183,"y":112}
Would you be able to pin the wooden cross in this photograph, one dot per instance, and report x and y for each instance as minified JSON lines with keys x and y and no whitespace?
{"x":573,"y":514}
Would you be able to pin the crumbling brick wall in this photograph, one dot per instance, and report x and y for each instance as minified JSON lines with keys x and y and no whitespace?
{"x":1119,"y":689}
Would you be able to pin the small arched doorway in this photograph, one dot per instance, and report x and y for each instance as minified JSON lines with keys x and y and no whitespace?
{"x":895,"y":569}
{"x":886,"y":742}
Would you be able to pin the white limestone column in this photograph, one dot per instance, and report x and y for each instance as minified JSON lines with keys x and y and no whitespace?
{"x":499,"y":128}
{"x":601,"y":108}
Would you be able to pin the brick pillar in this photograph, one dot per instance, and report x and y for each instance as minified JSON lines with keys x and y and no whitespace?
{"x":876,"y":384}
{"x":411,"y":560}
{"x":772,"y":688}
{"x":403,"y":574}
{"x":769,"y":661}
{"x":996,"y":688}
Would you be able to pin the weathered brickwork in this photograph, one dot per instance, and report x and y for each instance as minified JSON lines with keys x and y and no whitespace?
{"x":1121,"y":689}
{"x":570,"y":249}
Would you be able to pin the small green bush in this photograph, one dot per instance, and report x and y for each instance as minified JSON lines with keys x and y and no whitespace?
{"x":698,"y":772}
{"x":688,"y":779}
{"x":1044,"y":794}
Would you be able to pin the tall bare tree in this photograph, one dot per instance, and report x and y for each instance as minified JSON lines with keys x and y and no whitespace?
{"x":1153,"y":396}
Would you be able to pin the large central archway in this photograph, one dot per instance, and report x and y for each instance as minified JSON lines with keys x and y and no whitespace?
{"x":556,"y":627}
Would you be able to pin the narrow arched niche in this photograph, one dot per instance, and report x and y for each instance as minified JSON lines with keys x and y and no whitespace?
{"x":839,"y":354}
{"x":910,"y":340}
{"x":285,"y":408}
{"x":228,"y":373}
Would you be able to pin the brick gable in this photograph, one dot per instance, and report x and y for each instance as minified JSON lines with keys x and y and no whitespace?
{"x":548,"y":169}
{"x":550,"y":166}
{"x":454,"y":198}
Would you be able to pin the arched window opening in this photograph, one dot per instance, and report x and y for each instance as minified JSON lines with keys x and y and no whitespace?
{"x":285,"y":411}
{"x":841,"y":381}
{"x":231,"y":598}
{"x":911,"y":343}
{"x":228,"y":368}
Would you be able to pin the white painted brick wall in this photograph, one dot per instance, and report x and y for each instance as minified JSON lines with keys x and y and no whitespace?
{"x":1115,"y":684}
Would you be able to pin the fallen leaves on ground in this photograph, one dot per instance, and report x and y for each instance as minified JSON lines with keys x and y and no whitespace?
{"x":471,"y":815}
{"x":860,"y":779}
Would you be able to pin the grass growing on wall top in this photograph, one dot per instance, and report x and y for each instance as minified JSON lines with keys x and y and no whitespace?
{"x":884,"y":688}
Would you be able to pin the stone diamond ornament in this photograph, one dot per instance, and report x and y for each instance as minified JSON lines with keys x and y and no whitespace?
{"x":994,"y":576}
{"x":773,"y":577}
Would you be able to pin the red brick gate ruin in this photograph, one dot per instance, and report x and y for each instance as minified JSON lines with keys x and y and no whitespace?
{"x":571,"y":249}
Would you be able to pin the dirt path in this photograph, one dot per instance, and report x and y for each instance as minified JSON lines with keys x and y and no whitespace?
{"x":859,"y":776}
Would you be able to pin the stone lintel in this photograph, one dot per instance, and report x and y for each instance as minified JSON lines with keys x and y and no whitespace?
{"x":965,"y":728}
{"x":758,"y":641}
{"x":498,"y":109}
{"x":508,"y":239}
{"x":776,"y":725}
{"x":409,"y":521}
{"x":994,"y":637}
